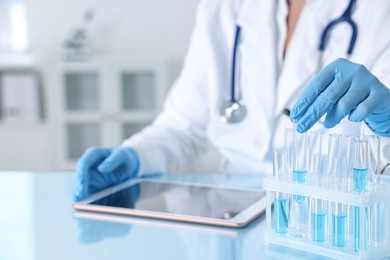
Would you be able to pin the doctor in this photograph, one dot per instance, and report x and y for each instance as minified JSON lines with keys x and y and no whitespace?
{"x":247,"y":63}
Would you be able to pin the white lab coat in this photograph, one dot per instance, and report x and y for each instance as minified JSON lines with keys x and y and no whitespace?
{"x":268,"y":82}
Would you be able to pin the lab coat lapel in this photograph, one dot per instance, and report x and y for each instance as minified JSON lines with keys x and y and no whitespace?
{"x":300,"y":63}
{"x":270,"y":85}
{"x":259,"y":64}
{"x":301,"y":60}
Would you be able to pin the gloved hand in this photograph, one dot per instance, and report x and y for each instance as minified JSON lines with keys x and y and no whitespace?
{"x":100,"y":168}
{"x":344,"y":88}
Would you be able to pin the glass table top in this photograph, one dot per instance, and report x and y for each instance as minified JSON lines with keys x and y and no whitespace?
{"x":39,"y":223}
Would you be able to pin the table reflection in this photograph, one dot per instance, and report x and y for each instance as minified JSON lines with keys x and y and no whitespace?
{"x":197,"y":241}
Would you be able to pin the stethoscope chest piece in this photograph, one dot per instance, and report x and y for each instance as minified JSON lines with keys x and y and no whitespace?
{"x":232,"y":112}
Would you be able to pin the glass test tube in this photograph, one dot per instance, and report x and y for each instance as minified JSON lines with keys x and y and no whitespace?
{"x":360,"y":185}
{"x":319,"y":207}
{"x":315,"y":152}
{"x":300,"y":157}
{"x":386,"y":219}
{"x":299,"y":204}
{"x":373,"y":166}
{"x":360,"y":175}
{"x":339,"y":210}
{"x":334,"y":150}
{"x":281,"y":202}
{"x":322,"y":174}
{"x":350,"y":153}
{"x":373,"y":158}
{"x":288,"y":146}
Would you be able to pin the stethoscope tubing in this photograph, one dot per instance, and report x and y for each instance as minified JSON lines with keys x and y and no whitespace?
{"x":345,"y":17}
{"x":233,"y":76}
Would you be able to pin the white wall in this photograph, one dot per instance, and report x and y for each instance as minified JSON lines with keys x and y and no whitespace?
{"x":120,"y":27}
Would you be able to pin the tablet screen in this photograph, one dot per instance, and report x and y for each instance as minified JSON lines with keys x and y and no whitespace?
{"x":182,"y":199}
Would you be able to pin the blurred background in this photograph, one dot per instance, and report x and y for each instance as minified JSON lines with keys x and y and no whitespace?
{"x":82,"y":73}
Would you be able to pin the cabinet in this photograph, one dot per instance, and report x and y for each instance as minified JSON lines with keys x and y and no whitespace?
{"x":20,"y":90}
{"x":100,"y":103}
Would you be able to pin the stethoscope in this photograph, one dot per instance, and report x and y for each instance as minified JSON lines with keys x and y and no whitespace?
{"x":234,"y":111}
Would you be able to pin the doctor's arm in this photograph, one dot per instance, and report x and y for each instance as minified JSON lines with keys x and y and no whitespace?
{"x":344,"y":88}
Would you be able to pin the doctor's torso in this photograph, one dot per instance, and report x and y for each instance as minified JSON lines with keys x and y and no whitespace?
{"x":268,"y":79}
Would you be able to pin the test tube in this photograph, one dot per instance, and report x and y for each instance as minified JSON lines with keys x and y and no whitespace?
{"x":334,"y":150}
{"x":281,"y":205}
{"x":322,"y":174}
{"x":319,"y":207}
{"x":373,"y":164}
{"x":376,"y":218}
{"x":350,"y":153}
{"x":360,"y":175}
{"x":300,"y":157}
{"x":288,"y":146}
{"x":299,"y":204}
{"x":360,"y":185}
{"x":339,"y":210}
{"x":315,"y":147}
{"x":387,"y":221}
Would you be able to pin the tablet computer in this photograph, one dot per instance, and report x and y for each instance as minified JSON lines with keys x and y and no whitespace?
{"x":176,"y":201}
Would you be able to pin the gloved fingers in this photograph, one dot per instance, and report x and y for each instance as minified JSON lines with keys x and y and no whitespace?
{"x":81,"y":189}
{"x":92,"y":157}
{"x":364,"y":108}
{"x":79,"y":192}
{"x":315,"y":87}
{"x":379,"y":119}
{"x":323,"y":104}
{"x":133,"y":158}
{"x":116,"y":159}
{"x":347,"y":103}
{"x":380,"y":124}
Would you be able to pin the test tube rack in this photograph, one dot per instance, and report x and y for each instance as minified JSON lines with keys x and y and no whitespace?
{"x":378,"y":194}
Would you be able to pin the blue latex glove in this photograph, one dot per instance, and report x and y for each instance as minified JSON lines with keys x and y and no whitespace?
{"x":344,"y":88}
{"x":100,"y":168}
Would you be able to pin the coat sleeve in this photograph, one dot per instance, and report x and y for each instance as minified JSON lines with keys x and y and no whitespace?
{"x":381,"y":69}
{"x":178,"y":135}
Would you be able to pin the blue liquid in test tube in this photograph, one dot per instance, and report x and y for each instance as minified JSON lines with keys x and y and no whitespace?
{"x":281,"y":202}
{"x":360,"y":180}
{"x":360,"y":185}
{"x":299,"y":224}
{"x":339,"y":230}
{"x":357,"y":231}
{"x":356,"y":227}
{"x":318,"y":221}
{"x":281,"y":215}
{"x":299,"y":177}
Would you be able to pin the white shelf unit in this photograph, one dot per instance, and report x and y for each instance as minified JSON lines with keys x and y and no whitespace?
{"x":21,"y":94}
{"x":100,"y":103}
